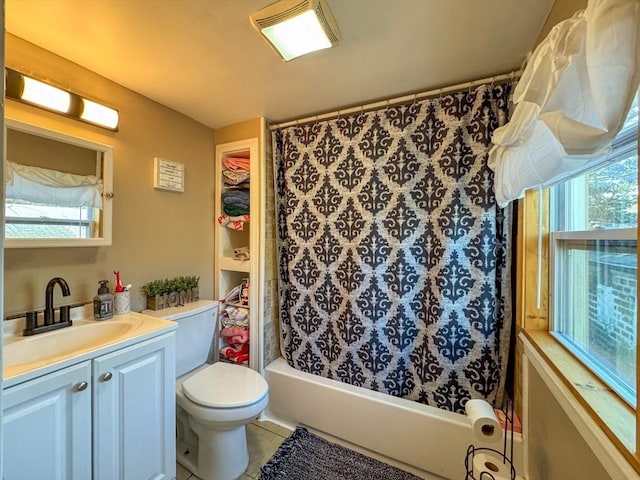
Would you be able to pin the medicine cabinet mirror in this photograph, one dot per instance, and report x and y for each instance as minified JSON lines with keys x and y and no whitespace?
{"x":58,"y":189}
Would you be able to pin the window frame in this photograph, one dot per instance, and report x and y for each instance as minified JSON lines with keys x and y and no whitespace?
{"x":568,"y":220}
{"x":556,"y":252}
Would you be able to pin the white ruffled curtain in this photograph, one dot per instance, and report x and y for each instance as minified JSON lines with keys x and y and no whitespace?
{"x":52,"y":187}
{"x":571,"y":101}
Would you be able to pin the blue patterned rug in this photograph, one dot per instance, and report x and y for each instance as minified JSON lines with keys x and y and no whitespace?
{"x":305,"y":456}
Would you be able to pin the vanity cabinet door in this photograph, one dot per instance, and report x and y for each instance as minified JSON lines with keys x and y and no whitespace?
{"x":134,"y":412}
{"x":47,"y":426}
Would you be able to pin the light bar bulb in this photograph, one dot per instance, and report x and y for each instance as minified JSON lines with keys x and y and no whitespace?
{"x":99,"y":114}
{"x":298,"y":36}
{"x":40,"y":93}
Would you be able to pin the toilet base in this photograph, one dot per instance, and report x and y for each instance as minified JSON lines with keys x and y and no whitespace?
{"x":220,"y":455}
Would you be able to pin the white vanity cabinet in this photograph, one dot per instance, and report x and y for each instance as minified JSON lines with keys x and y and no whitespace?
{"x":47,"y":426}
{"x":134,"y":420}
{"x":109,"y":418}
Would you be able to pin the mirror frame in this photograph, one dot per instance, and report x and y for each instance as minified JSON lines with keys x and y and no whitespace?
{"x":107,"y":193}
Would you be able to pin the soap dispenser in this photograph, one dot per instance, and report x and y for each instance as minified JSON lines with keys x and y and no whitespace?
{"x":103,"y":302}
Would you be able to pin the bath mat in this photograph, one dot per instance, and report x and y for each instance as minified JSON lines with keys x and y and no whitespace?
{"x":305,"y":456}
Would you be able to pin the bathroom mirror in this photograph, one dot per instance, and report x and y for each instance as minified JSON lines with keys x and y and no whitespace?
{"x":58,"y":189}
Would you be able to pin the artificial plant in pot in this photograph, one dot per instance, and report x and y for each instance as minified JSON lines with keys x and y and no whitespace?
{"x":171,"y":292}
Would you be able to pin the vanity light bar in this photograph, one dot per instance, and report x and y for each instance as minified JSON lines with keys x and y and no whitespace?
{"x":34,"y":92}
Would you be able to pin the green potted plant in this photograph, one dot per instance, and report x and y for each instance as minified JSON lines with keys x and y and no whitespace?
{"x":171,"y":292}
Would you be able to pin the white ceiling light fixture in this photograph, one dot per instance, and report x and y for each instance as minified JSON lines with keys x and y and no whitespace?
{"x":297,"y":27}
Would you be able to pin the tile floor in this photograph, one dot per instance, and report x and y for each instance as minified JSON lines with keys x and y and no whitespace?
{"x":263,"y":439}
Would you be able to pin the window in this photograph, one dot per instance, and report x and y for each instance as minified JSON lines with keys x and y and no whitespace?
{"x":25,"y":219}
{"x":593,"y":263}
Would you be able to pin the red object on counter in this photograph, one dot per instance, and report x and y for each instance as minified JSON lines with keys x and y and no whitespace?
{"x":119,"y":287}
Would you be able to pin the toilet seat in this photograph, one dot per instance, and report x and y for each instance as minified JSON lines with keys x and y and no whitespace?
{"x":223,"y":385}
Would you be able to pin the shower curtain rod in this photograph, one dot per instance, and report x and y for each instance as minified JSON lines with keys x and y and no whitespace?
{"x":400,"y":100}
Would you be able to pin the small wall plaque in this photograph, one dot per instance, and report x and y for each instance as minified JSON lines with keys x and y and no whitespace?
{"x":168,"y":175}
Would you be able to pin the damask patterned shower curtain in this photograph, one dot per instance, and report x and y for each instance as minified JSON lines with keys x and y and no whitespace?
{"x":394,"y":258}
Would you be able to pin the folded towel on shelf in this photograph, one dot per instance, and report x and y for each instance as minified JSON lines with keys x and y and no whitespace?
{"x":234,"y":222}
{"x":235,"y":335}
{"x":235,"y":177}
{"x":239,"y":316}
{"x":241,"y":253}
{"x":232,"y":316}
{"x":237,"y":163}
{"x":230,"y":353}
{"x":240,"y":186}
{"x":237,"y":348}
{"x":236,"y":196}
{"x":235,"y":210}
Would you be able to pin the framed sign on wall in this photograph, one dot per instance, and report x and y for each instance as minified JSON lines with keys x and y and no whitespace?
{"x":168,"y":175}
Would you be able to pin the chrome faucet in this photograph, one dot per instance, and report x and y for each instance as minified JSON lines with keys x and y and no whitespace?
{"x":49,"y":313}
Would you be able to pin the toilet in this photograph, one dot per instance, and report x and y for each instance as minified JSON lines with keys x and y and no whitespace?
{"x":214,"y":402}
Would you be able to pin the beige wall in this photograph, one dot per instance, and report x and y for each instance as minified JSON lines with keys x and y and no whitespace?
{"x":241,"y":131}
{"x":556,"y":449}
{"x":156,"y":234}
{"x":562,"y":9}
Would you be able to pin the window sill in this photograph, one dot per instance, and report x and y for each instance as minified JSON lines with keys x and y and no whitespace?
{"x":594,"y":403}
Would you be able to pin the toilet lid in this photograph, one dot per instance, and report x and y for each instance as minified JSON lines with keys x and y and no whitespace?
{"x":224,"y":385}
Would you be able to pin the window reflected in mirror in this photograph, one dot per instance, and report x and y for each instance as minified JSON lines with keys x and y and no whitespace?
{"x":55,"y":188}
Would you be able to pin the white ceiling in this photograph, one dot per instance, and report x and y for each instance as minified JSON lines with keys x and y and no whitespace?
{"x":204,"y":59}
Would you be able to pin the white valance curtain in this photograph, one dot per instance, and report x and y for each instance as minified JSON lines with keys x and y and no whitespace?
{"x":52,"y":187}
{"x":571,"y":101}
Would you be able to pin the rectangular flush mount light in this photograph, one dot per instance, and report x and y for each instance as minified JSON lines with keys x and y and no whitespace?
{"x":297,"y":27}
{"x":34,"y":92}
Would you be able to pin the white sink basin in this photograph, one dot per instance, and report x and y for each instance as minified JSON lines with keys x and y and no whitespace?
{"x":63,"y":342}
{"x":25,"y":355}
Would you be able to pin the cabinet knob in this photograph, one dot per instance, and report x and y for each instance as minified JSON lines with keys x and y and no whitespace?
{"x":79,"y":387}
{"x":105,"y":377}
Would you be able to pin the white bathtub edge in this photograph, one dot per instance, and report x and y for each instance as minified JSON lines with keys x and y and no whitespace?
{"x":420,"y":436}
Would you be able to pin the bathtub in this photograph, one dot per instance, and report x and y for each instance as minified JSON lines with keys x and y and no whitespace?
{"x":425,"y":438}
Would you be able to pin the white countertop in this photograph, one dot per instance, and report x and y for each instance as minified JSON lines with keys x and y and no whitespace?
{"x":129,"y":329}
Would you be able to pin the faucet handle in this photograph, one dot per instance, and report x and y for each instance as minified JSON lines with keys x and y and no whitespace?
{"x":64,"y":313}
{"x":31,"y":322}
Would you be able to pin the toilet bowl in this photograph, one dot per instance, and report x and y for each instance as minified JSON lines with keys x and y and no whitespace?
{"x":214,"y":402}
{"x":220,"y":400}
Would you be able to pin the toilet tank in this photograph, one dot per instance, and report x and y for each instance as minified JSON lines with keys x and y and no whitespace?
{"x":196,"y":325}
